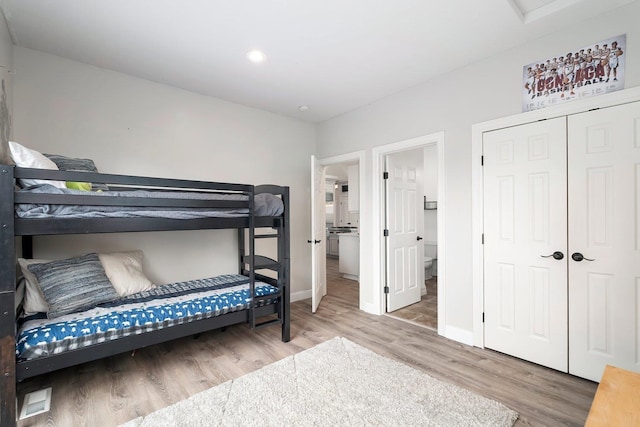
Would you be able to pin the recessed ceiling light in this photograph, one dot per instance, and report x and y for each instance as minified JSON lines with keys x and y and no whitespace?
{"x":256,"y":56}
{"x":303,"y":108}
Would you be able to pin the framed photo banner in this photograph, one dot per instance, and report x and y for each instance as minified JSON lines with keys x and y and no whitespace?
{"x":587,"y":71}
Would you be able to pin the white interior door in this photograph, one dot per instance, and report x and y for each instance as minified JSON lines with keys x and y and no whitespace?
{"x":604,"y":226}
{"x":318,"y":235}
{"x":405,"y":222}
{"x":525,"y":211}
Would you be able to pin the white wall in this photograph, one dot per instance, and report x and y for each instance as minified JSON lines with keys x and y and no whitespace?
{"x":430,"y":154}
{"x":6,"y":74}
{"x":452,"y":103}
{"x":133,"y":126}
{"x":431,"y":172}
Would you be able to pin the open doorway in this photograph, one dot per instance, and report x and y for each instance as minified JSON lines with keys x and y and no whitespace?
{"x":343,"y":231}
{"x":417,"y":263}
{"x":341,"y":227}
{"x":411,"y":194}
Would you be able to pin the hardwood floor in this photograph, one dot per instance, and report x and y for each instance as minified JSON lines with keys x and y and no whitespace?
{"x":114,"y":390}
{"x":425,"y":312}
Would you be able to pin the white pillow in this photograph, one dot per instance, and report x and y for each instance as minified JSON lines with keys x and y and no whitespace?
{"x":124,"y":270}
{"x":26,"y":158}
{"x":33,"y":301}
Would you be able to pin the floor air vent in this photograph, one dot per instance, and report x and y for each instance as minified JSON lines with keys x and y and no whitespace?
{"x":36,"y":403}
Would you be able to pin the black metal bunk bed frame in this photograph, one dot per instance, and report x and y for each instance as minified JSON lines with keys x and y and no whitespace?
{"x":249,"y":262}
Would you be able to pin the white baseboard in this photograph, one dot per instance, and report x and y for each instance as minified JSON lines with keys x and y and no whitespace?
{"x":456,"y":334}
{"x":300,"y":295}
{"x":370,"y":308}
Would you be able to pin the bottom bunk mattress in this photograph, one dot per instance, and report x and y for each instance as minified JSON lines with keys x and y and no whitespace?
{"x":160,"y":307}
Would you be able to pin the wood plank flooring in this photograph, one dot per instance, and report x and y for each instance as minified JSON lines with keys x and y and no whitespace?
{"x":114,"y":390}
{"x":425,"y":312}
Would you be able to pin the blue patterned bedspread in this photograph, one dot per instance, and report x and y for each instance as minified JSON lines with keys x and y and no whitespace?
{"x":157,"y":308}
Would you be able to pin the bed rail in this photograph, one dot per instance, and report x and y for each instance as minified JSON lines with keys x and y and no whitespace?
{"x":43,"y":226}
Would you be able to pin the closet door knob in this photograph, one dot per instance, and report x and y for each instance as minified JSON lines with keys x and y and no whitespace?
{"x":556,"y":255}
{"x":577,"y":256}
{"x":418,"y":238}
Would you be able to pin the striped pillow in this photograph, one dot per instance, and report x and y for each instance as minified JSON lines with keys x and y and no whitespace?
{"x":65,"y":163}
{"x":74,"y":284}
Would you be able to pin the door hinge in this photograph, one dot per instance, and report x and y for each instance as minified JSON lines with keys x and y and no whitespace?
{"x":481,"y":160}
{"x":386,"y":232}
{"x":386,"y":289}
{"x":482,"y":317}
{"x":483,"y":238}
{"x":385,"y":175}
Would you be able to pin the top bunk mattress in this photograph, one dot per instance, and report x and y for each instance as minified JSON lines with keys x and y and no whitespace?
{"x":265,"y":204}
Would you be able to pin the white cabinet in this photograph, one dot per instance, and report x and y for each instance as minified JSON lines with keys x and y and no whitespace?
{"x":344,"y":220}
{"x":561,"y":215}
{"x":346,"y":217}
{"x":333,"y":245}
{"x":349,"y":263}
{"x":353,"y":176}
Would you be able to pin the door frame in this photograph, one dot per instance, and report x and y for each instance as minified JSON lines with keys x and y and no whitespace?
{"x":477,"y":196}
{"x":379,"y":213}
{"x":355,"y":156}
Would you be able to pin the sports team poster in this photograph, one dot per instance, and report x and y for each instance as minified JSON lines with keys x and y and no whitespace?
{"x":588,"y":71}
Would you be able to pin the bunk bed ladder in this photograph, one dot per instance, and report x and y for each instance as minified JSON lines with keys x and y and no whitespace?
{"x":264,"y":263}
{"x":278,"y":267}
{"x":250,"y":263}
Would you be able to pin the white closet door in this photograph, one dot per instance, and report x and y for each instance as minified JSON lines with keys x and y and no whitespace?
{"x":604,"y":225}
{"x":525,"y":215}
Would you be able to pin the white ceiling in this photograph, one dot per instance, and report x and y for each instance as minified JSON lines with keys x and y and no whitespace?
{"x":332,"y":55}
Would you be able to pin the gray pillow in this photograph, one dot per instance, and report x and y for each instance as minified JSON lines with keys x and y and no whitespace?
{"x":74,"y":284}
{"x":70,"y":164}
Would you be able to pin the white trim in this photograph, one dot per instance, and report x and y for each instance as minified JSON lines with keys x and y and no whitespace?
{"x":578,"y":106}
{"x":442,"y":240}
{"x":343,"y":158}
{"x":300,"y":295}
{"x":369,"y":308}
{"x":378,"y":215}
{"x":461,"y":335}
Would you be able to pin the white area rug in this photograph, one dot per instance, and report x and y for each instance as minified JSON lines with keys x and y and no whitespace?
{"x":336,"y":383}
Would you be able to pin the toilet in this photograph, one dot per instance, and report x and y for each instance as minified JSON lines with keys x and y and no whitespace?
{"x":430,"y":260}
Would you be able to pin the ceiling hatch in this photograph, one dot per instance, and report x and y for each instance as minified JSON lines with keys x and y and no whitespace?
{"x":531,"y":10}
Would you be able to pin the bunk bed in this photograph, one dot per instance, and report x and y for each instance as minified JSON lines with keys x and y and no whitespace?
{"x":135,"y":204}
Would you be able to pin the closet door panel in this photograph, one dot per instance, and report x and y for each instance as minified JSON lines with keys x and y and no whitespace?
{"x":604,"y":224}
{"x":525,"y":219}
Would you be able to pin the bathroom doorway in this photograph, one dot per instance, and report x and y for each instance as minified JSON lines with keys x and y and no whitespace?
{"x":427,"y":308}
{"x":423,"y":248}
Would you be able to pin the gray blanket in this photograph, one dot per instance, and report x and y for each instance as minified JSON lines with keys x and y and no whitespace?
{"x":264,"y":205}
